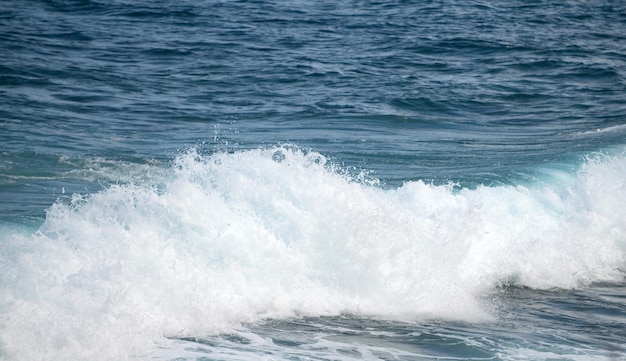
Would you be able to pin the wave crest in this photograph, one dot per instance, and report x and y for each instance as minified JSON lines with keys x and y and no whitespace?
{"x":229,"y":238}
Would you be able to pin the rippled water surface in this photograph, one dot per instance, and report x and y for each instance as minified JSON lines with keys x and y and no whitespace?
{"x":293,"y":180}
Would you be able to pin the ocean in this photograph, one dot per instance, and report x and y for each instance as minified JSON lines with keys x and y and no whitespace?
{"x":312,"y":180}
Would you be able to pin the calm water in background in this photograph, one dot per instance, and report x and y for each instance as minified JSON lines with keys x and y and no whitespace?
{"x":232,"y":180}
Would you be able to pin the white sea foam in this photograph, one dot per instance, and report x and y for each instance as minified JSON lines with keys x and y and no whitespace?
{"x":273,"y":233}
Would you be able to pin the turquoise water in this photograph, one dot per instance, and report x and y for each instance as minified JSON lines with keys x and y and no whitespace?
{"x":287,"y":180}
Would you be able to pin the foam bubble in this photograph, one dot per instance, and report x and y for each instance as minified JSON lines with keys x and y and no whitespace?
{"x":229,"y":238}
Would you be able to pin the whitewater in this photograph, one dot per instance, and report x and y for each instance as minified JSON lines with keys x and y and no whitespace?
{"x":215,"y":242}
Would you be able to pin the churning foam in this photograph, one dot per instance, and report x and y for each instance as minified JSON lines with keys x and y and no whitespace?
{"x":273,"y":233}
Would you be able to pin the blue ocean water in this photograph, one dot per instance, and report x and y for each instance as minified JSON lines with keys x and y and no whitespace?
{"x":291,"y":180}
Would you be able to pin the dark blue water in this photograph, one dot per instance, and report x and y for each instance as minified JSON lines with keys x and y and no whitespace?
{"x":233,"y":180}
